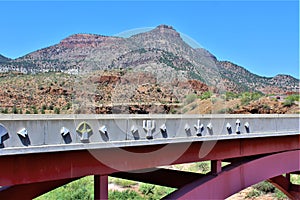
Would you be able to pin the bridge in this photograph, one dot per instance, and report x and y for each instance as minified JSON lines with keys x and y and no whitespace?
{"x":41,"y":152}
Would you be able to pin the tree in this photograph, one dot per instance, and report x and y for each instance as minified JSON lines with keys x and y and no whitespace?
{"x":14,"y":110}
{"x":56,"y":110}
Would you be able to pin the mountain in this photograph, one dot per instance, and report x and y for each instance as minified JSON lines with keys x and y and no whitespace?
{"x":3,"y":59}
{"x":160,"y":51}
{"x":241,"y":79}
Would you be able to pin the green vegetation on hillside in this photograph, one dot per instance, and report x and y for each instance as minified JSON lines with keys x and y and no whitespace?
{"x":290,"y":100}
{"x":206,"y":95}
{"x":247,"y":97}
{"x":231,"y":95}
{"x":60,"y":93}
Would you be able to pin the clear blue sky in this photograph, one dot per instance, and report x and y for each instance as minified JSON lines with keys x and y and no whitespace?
{"x":262,"y":36}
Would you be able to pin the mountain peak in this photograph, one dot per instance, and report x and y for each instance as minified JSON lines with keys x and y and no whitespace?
{"x":164,"y":31}
{"x":161,"y":51}
{"x":285,"y":77}
{"x":164,"y":26}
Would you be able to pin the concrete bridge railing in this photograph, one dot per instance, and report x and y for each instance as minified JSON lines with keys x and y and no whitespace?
{"x":43,"y":133}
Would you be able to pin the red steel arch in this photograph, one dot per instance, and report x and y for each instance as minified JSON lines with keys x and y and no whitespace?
{"x":236,"y":178}
{"x":33,"y":174}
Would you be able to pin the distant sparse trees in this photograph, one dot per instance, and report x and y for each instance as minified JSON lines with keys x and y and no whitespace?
{"x":290,"y":100}
{"x":206,"y":95}
{"x":247,"y":97}
{"x":14,"y":110}
{"x":56,"y":110}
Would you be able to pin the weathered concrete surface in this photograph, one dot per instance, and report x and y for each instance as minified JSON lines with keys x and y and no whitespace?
{"x":106,"y":131}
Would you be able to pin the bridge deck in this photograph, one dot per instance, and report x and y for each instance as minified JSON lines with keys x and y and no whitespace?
{"x":41,"y":152}
{"x":23,"y":134}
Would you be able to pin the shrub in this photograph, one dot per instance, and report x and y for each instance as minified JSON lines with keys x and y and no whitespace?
{"x":51,"y":107}
{"x":123,"y":182}
{"x":206,"y":95}
{"x":146,"y":189}
{"x":190,"y":98}
{"x":176,"y":101}
{"x":69,"y":105}
{"x":247,"y":97}
{"x":173,"y":111}
{"x":44,"y":107}
{"x":293,"y":97}
{"x":56,"y":110}
{"x":35,"y":111}
{"x":289,"y":100}
{"x":151,"y":191}
{"x":265,"y":187}
{"x":230,"y":95}
{"x":5,"y":111}
{"x":202,"y":167}
{"x":14,"y":110}
{"x":256,"y":96}
{"x":280,"y":195}
{"x":253,"y":193}
{"x":127,"y":194}
{"x":288,"y":103}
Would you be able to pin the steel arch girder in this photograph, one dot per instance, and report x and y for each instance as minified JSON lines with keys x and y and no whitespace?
{"x":31,"y":190}
{"x":236,"y":178}
{"x":284,"y":184}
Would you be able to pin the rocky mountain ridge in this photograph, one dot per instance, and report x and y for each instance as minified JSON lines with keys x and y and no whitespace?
{"x":243,"y":80}
{"x":3,"y":59}
{"x":161,"y":52}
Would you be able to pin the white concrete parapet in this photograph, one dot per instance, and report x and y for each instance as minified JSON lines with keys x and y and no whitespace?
{"x":39,"y":133}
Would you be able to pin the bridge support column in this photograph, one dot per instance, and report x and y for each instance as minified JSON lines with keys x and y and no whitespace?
{"x":216,"y":167}
{"x":100,"y":187}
